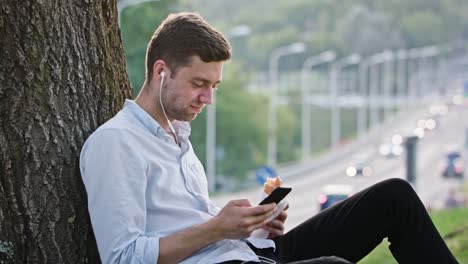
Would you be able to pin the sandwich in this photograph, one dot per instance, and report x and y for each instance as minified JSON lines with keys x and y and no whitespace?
{"x":271,"y":184}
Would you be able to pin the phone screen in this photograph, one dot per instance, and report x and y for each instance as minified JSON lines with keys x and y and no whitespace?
{"x":276,"y":195}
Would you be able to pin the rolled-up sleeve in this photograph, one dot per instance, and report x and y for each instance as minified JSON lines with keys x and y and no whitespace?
{"x":115,"y":179}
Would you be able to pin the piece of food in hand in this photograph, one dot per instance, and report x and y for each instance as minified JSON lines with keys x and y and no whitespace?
{"x":271,"y":184}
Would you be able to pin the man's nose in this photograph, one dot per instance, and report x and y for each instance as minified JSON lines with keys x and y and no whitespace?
{"x":207,"y":96}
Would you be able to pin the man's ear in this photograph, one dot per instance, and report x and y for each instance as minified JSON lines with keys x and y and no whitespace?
{"x":158,"y":68}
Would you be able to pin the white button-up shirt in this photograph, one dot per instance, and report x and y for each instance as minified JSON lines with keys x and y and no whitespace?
{"x":142,"y":186}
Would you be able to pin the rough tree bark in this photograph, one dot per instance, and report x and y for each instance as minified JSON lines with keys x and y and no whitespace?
{"x":62,"y":74}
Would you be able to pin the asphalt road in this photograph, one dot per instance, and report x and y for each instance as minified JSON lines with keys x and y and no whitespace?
{"x":430,"y":186}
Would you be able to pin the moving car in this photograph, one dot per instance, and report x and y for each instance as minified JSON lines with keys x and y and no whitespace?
{"x":333,"y":193}
{"x":453,"y":166}
{"x":358,"y":168}
{"x":390,"y":150}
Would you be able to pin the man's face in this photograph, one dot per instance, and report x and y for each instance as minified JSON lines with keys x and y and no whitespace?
{"x":190,"y":88}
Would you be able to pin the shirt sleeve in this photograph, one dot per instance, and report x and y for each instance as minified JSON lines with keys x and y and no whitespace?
{"x":115,"y":179}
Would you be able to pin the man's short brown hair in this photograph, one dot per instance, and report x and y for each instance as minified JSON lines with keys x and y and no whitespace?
{"x":181,"y":36}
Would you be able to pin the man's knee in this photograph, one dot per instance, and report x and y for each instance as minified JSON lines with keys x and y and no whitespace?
{"x":394,"y":190}
{"x":396,"y":185}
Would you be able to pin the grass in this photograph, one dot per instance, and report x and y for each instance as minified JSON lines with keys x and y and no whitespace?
{"x":452,"y":225}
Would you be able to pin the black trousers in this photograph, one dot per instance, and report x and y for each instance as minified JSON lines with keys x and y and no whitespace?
{"x":352,"y":228}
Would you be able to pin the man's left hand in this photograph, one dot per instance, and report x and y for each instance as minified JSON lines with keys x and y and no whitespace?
{"x":276,"y":226}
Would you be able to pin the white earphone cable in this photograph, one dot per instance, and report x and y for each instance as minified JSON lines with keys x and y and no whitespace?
{"x":163,"y":75}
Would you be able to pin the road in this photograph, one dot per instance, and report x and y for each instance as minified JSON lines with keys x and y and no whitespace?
{"x":430,"y":186}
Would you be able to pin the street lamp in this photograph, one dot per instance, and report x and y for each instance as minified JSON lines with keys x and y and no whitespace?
{"x":368,"y":82}
{"x":122,"y":4}
{"x":334,"y":76}
{"x":364,"y":83}
{"x":402,"y":70}
{"x":374,"y":81}
{"x":419,"y":54}
{"x":276,"y":54}
{"x":309,"y":63}
{"x":375,"y":76}
{"x":235,"y":32}
{"x":388,"y":58}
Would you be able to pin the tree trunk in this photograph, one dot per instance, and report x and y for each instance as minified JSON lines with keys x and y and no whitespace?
{"x":62,"y":74}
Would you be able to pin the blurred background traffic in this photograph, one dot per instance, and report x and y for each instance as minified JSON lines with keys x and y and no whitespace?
{"x":331,"y":95}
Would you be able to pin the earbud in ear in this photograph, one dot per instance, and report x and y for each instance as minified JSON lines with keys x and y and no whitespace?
{"x":163,"y":74}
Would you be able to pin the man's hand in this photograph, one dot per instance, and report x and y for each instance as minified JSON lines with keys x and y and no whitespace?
{"x":238,"y":219}
{"x":276,"y":226}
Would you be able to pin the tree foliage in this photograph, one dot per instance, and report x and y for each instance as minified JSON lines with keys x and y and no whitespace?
{"x":348,"y":26}
{"x":423,"y":28}
{"x":366,"y":33}
{"x":138,"y":23}
{"x":240,"y":124}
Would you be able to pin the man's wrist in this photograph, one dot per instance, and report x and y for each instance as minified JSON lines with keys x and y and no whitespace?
{"x":213,"y":227}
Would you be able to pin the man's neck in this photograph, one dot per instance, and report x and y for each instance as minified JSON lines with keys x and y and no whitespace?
{"x":148,"y":102}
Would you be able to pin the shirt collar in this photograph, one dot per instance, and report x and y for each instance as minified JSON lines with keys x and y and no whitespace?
{"x":182,"y":128}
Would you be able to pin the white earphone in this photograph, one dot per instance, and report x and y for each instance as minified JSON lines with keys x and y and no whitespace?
{"x":171,"y":128}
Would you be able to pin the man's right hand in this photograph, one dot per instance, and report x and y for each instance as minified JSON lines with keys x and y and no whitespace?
{"x":238,"y":219}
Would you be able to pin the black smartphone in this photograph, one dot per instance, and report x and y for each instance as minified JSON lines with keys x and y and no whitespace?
{"x":276,"y":195}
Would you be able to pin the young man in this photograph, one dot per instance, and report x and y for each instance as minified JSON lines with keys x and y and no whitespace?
{"x":147,"y":190}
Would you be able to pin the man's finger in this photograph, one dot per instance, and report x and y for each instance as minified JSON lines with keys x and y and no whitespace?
{"x":260,"y":210}
{"x":259,"y":220}
{"x":282,"y":216}
{"x":275,"y":224}
{"x":240,"y":202}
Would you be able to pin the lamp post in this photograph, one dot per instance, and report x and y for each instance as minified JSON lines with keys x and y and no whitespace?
{"x":417,"y":56}
{"x":235,"y":32}
{"x":309,"y":63}
{"x":374,"y":80}
{"x":334,"y":76}
{"x":402,"y":73}
{"x":428,"y":66}
{"x":211,"y":144}
{"x":364,"y":84}
{"x":276,"y":54}
{"x":388,"y":78}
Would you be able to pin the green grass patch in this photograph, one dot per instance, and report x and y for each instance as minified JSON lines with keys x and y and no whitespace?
{"x":452,"y":225}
